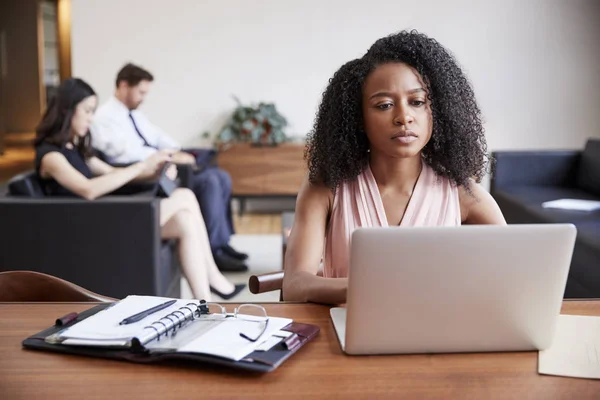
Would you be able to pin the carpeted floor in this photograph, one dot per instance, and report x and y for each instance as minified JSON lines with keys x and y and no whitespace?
{"x":265,"y":256}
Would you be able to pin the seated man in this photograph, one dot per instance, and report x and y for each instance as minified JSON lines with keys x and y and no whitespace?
{"x":125,"y":135}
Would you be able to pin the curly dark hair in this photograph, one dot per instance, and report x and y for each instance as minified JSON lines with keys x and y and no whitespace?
{"x":337,"y":148}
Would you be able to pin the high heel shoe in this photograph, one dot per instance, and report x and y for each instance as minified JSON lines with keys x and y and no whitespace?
{"x":238,"y":288}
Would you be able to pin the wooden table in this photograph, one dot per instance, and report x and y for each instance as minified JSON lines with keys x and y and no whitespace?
{"x":319,"y":369}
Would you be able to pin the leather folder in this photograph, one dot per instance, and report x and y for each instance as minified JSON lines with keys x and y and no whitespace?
{"x":257,"y":361}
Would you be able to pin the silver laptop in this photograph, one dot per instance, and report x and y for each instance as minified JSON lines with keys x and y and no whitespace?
{"x":454,"y":289}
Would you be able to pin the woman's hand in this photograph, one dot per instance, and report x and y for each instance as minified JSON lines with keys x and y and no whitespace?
{"x":172,"y":172}
{"x":154,"y":163}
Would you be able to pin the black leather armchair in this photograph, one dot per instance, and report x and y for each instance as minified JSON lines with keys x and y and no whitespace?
{"x":111,"y":245}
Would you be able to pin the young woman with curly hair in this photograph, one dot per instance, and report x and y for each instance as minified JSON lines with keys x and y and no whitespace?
{"x":397,"y":141}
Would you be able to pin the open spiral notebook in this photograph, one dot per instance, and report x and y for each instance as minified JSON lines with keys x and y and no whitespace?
{"x":179,"y":327}
{"x":178,"y":331}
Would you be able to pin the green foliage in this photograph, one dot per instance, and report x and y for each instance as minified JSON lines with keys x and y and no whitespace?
{"x":260,"y":124}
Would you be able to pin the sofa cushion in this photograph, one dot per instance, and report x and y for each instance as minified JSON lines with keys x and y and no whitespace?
{"x":589,"y":232}
{"x":523,"y":204}
{"x":527,"y":200}
{"x":588,"y":175}
{"x":585,"y":266}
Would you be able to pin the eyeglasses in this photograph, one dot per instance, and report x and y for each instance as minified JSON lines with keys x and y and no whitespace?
{"x":246,"y":312}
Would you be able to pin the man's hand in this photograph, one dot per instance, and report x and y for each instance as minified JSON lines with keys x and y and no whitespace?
{"x":181,"y":157}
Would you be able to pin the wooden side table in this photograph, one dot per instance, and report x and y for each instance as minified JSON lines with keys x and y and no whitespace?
{"x":264,"y":171}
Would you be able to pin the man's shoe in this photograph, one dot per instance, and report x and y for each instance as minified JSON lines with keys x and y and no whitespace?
{"x":226,"y":263}
{"x":230,"y":251}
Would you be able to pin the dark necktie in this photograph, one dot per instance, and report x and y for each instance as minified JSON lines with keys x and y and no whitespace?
{"x":140,"y":133}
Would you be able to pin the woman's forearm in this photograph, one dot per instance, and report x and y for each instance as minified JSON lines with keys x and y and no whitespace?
{"x":306,"y":287}
{"x":145,"y":176}
{"x":112,"y":181}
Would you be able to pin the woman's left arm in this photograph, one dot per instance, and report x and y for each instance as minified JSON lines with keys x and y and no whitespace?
{"x":479,"y":207}
{"x":99,"y":167}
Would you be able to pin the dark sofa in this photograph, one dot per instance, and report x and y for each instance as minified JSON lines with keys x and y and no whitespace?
{"x":111,"y":246}
{"x":523,"y":180}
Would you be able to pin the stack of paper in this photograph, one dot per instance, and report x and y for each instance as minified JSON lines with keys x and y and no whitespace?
{"x":575,"y":351}
{"x":573,"y":204}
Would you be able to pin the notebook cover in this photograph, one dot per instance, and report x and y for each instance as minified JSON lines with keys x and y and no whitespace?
{"x":258,"y":361}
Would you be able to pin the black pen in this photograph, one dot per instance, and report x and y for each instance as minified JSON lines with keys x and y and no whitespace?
{"x":141,"y":315}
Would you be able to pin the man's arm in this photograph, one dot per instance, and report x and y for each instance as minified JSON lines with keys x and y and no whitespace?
{"x":108,"y":136}
{"x":105,"y":138}
{"x":163,"y":140}
{"x":181,"y":157}
{"x":166,"y":142}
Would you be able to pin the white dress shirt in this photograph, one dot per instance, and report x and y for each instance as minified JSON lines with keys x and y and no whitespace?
{"x":114,"y":133}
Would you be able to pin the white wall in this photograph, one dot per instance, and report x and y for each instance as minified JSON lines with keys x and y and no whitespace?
{"x":535,"y":65}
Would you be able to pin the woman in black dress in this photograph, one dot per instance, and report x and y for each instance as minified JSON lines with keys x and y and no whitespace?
{"x":67,"y":167}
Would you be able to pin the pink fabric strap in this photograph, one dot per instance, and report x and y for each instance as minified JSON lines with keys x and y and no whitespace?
{"x":434,"y":202}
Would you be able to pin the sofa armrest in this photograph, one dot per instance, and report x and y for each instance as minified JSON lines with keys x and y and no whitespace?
{"x":110,"y":246}
{"x":534,"y":168}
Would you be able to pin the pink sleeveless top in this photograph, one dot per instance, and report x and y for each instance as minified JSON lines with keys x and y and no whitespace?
{"x":434,"y":202}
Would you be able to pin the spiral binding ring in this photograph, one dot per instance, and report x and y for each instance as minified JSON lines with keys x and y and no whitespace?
{"x":163,"y":324}
{"x":200,"y":308}
{"x":183,"y":315}
{"x":191,"y":311}
{"x":157,"y":332}
{"x":174,"y":324}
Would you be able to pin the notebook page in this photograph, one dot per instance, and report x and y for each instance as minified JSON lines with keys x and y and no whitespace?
{"x":224,"y":340}
{"x":190,"y":332}
{"x":104,"y":325}
{"x":575,"y":351}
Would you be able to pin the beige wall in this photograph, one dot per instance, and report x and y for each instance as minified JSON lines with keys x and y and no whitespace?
{"x":535,"y":64}
{"x":21,"y":86}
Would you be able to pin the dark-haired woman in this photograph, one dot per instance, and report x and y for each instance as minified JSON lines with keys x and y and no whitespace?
{"x":67,"y":167}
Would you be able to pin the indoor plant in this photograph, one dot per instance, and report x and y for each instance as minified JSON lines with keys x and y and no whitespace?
{"x":258,"y":124}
